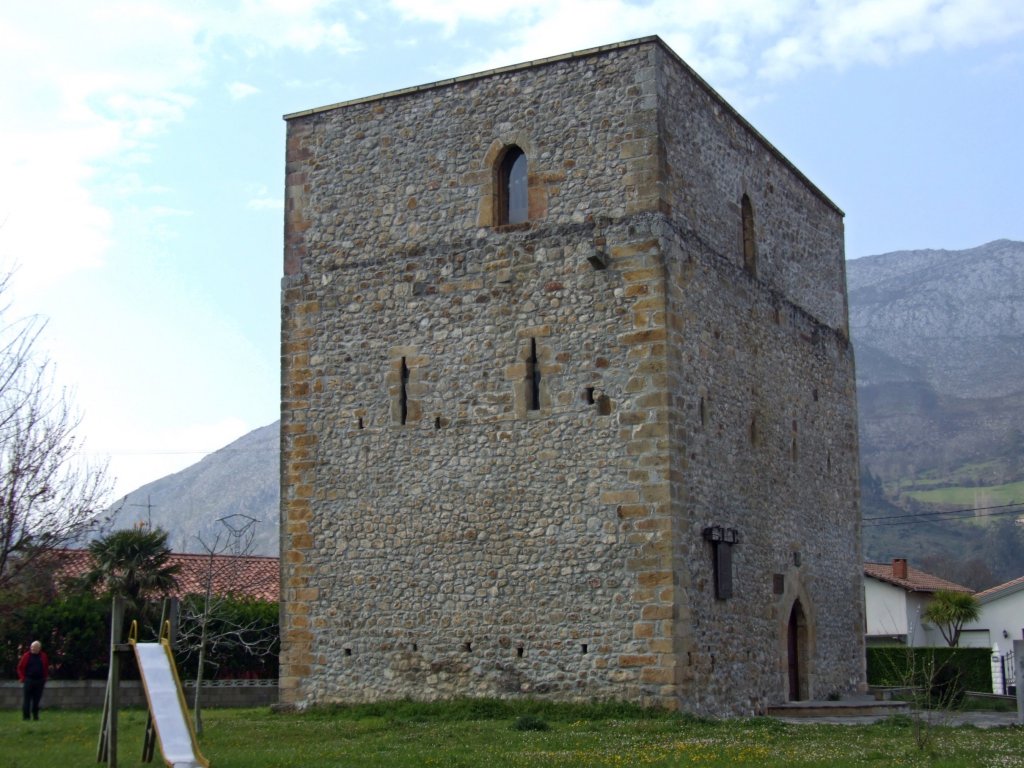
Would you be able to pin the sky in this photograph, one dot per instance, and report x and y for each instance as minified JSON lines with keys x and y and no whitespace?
{"x":142,"y":159}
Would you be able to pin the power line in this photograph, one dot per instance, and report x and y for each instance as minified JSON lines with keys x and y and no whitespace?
{"x":192,"y":452}
{"x":948,"y":512}
{"x":945,"y":517}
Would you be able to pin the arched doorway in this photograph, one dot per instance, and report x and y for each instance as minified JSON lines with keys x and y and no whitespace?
{"x":796,"y":641}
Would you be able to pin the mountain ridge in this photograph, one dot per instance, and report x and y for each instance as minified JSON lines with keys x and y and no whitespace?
{"x":242,"y":478}
{"x":939,"y":339}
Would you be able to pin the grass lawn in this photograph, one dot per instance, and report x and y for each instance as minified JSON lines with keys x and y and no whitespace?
{"x":483,"y":734}
{"x":969,"y":497}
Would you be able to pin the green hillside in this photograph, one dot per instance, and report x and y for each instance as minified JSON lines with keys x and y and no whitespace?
{"x":968,"y":534}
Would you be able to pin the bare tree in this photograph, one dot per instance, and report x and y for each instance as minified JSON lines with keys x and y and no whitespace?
{"x":204,"y":625}
{"x":49,"y":494}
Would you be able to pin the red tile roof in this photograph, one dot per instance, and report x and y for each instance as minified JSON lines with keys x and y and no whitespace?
{"x":1009,"y":586}
{"x":916,"y":581}
{"x":248,"y":576}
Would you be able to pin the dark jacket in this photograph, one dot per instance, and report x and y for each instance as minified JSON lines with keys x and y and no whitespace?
{"x":23,"y":665}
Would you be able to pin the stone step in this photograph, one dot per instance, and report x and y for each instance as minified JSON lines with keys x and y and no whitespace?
{"x":858,"y":707}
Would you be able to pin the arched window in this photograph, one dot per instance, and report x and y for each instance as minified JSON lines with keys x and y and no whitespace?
{"x":512,"y":197}
{"x":749,"y":243}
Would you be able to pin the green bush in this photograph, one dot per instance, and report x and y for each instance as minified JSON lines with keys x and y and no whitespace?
{"x":948,"y":671}
{"x":530,"y":723}
{"x":74,"y":630}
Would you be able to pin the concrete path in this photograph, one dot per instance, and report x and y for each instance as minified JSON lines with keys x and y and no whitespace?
{"x":977,"y":719}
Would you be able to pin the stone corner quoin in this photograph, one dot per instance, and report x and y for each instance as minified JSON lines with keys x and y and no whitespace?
{"x":578,"y":427}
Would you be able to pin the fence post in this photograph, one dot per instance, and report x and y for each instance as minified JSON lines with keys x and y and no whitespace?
{"x":1018,"y":668}
{"x":998,"y":682}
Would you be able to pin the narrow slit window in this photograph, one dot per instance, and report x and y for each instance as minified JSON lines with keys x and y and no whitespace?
{"x":722,"y":540}
{"x":778,"y":583}
{"x":533,"y":378}
{"x":512,"y":187}
{"x":403,"y":395}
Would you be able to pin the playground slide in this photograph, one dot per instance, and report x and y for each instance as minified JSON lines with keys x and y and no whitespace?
{"x":167,"y":706}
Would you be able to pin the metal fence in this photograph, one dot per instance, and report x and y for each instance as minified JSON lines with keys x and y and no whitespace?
{"x":1009,"y":674}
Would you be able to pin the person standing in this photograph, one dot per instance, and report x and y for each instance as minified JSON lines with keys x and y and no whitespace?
{"x":32,"y":672}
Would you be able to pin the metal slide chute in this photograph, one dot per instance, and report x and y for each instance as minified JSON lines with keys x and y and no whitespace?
{"x":167,"y":708}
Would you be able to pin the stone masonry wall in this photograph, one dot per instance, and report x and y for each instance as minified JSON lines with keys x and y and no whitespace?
{"x":712,"y":157}
{"x":763,"y":409}
{"x":756,"y":391}
{"x":439,"y":536}
{"x":477,"y":548}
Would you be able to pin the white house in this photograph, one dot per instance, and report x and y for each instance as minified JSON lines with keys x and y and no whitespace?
{"x":1000,"y":621}
{"x":895,"y":596}
{"x":1002,"y":613}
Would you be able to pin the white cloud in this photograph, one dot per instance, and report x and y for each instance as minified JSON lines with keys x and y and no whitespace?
{"x":97,"y":85}
{"x":264,"y":25}
{"x":451,"y":13}
{"x":1002,"y":63}
{"x":260,"y":198}
{"x":239,"y":91}
{"x":840,"y":35}
{"x":51,"y":226}
{"x":266,"y":204}
{"x":167,"y":212}
{"x":726,"y":40}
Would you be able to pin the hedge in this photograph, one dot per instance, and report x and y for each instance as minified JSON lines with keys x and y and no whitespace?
{"x":75,"y":632}
{"x":901,"y":666}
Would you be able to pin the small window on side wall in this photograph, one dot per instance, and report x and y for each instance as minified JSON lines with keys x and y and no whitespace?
{"x":749,"y":241}
{"x":512,"y":195}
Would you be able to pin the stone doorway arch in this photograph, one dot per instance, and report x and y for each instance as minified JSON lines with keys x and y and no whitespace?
{"x":797,"y":653}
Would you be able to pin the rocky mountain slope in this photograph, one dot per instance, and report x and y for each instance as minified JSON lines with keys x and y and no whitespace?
{"x":939,"y":338}
{"x":240,"y":479}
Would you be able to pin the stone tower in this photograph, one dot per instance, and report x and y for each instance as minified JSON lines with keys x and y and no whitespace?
{"x":568,"y":402}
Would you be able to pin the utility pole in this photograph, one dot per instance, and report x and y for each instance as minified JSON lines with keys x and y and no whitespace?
{"x":149,"y":511}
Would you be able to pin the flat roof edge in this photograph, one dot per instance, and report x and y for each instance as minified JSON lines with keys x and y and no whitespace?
{"x":586,"y":52}
{"x":814,"y":188}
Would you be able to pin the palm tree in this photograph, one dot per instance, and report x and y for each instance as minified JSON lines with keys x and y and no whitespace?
{"x":949,"y":611}
{"x":133,"y":564}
